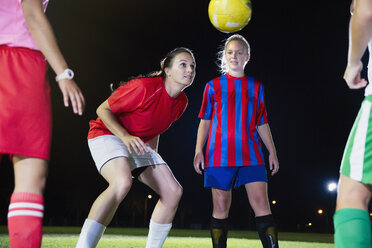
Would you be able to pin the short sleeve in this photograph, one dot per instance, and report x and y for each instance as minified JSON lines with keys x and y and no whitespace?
{"x":207,"y":103}
{"x":261,"y":112}
{"x":182,"y":107}
{"x":127,"y":98}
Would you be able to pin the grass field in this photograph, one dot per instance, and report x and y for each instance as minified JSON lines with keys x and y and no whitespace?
{"x":61,"y":237}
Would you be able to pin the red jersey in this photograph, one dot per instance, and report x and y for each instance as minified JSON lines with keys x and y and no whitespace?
{"x":143,"y":107}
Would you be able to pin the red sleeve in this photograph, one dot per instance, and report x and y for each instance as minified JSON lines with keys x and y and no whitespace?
{"x":128,"y":97}
{"x":184,"y":105}
{"x":181,"y":106}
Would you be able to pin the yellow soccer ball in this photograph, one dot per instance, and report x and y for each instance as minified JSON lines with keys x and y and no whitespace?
{"x":229,"y":15}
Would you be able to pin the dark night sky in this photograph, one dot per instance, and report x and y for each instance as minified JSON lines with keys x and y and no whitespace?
{"x":299,"y":53}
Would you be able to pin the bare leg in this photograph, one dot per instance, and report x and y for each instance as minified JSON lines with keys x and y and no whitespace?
{"x":117,"y":173}
{"x":30,"y":174}
{"x":160,"y":178}
{"x":25,"y":227}
{"x":257,"y":195}
{"x":352,"y":194}
{"x":221,"y":203}
{"x":219,"y":221}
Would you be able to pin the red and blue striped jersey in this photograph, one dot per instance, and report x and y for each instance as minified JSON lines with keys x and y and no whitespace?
{"x":235,"y":106}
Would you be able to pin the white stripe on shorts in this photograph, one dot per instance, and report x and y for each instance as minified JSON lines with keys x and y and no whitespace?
{"x":25,"y":213}
{"x":359,"y":142}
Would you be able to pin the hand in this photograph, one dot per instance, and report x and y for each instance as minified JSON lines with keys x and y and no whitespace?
{"x":273,"y":164}
{"x":71,"y":91}
{"x":352,"y":76}
{"x":199,"y":162}
{"x":134,"y":143}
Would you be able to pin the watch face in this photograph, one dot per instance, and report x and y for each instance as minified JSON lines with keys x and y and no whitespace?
{"x":70,"y":74}
{"x":67,"y":74}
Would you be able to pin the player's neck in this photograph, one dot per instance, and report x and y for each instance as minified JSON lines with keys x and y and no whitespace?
{"x":173,"y":89}
{"x":236,"y":74}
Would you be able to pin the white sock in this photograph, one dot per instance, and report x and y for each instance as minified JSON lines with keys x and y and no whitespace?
{"x":90,"y":234}
{"x":157,"y":234}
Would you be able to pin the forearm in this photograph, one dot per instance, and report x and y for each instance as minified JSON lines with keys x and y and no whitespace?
{"x":42,"y":33}
{"x":360,"y":30}
{"x":111,"y":121}
{"x":202,"y":135}
{"x":266,"y":137}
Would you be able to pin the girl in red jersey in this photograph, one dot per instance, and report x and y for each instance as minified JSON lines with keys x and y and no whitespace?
{"x":123,"y":142}
{"x":233,"y":116}
{"x":26,"y":44}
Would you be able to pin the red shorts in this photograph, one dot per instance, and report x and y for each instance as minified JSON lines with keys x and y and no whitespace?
{"x":25,"y":111}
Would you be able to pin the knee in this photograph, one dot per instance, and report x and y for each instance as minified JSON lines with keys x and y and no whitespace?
{"x":177,"y":192}
{"x":172,"y":196}
{"x":353,"y":198}
{"x":260,"y":204}
{"x":221,"y":205}
{"x":121,"y":188}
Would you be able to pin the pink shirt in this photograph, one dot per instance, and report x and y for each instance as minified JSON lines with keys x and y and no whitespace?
{"x":13,"y":28}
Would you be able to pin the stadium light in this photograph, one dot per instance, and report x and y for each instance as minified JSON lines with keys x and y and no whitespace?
{"x":332,"y":186}
{"x":146,"y":207}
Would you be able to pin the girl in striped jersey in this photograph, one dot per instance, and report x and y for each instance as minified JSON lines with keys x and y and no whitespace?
{"x":233,"y":116}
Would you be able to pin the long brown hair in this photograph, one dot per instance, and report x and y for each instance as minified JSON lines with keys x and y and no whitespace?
{"x":166,"y":62}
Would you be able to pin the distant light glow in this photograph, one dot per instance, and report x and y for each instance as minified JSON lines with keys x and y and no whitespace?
{"x":332,"y":186}
{"x":273,"y":202}
{"x":320,"y":211}
{"x":149,"y":196}
{"x":309,"y":224}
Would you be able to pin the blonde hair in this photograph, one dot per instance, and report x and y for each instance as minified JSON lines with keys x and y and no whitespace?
{"x":223,"y":68}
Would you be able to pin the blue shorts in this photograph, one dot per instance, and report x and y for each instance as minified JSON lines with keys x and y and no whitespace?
{"x":227,"y":177}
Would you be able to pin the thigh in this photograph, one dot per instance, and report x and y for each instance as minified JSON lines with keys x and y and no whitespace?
{"x":258,"y":198}
{"x":30,"y":174}
{"x":116,"y":169}
{"x":352,"y":194}
{"x":221,"y":196}
{"x":159,"y":178}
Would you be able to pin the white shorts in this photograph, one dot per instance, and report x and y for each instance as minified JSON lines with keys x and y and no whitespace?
{"x":106,"y":147}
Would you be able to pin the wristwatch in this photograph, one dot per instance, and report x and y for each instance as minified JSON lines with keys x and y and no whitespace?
{"x":66,"y":74}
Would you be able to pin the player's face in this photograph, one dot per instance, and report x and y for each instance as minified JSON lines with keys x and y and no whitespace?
{"x":236,"y":57}
{"x":182,"y":70}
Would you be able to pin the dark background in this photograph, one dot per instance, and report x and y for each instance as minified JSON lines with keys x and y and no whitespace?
{"x":298,"y":51}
